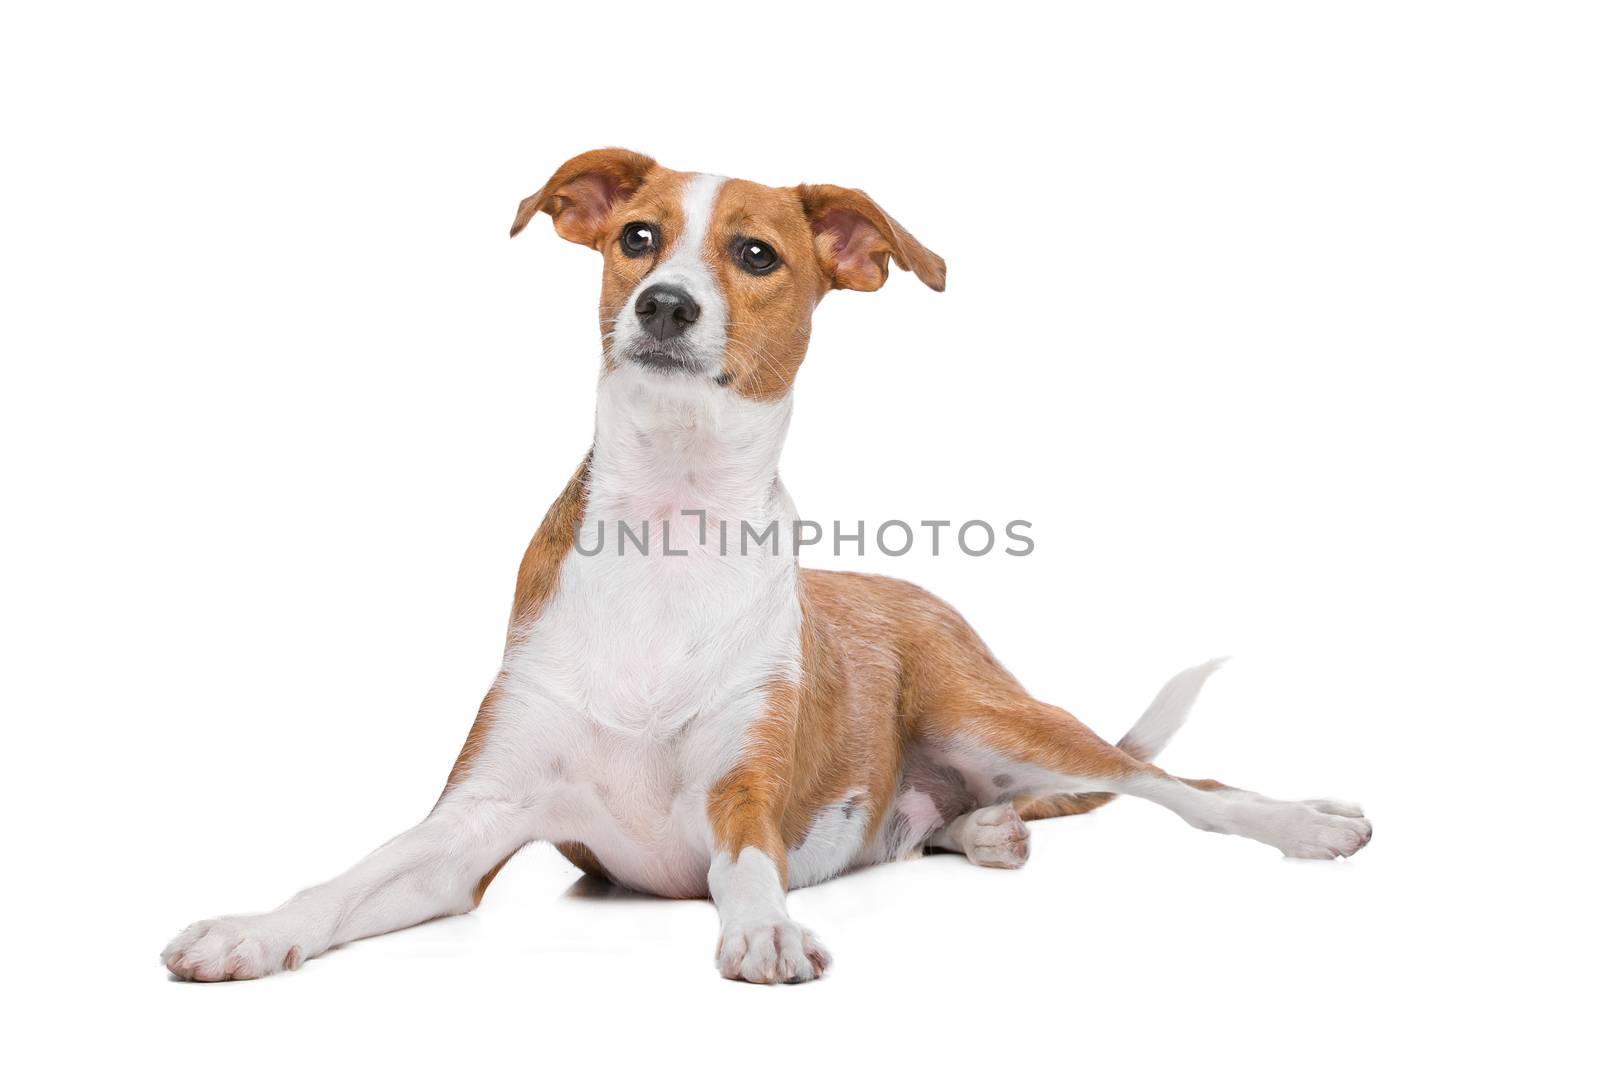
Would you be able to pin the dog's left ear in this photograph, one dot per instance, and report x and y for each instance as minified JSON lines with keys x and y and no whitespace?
{"x":856,"y":239}
{"x":580,"y":194}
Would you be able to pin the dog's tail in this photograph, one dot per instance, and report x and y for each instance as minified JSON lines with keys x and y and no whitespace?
{"x":1144,"y":741}
{"x":1167,"y":712}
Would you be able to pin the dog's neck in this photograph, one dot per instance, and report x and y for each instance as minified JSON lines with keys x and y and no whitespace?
{"x":664,"y":445}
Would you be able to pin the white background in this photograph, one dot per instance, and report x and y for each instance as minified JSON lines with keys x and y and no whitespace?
{"x":1278,"y":321}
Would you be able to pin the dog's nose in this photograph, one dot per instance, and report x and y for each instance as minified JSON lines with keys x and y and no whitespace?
{"x":665,"y":311}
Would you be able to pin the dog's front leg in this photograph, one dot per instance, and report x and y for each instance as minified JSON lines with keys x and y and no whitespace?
{"x":759,"y":942}
{"x":749,"y":879}
{"x":436,"y":868}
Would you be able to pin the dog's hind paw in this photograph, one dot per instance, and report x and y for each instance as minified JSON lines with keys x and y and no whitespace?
{"x":1322,"y":830}
{"x":996,"y":837}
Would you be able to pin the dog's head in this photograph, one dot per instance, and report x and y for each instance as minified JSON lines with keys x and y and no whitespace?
{"x":716,"y":277}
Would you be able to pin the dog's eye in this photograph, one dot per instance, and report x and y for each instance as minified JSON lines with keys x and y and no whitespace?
{"x":757,"y":257}
{"x":638,"y":238}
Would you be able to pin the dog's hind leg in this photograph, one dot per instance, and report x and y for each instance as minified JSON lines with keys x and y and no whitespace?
{"x":1026,"y":748}
{"x":1005,"y":745}
{"x":1144,"y":741}
{"x":984,"y":741}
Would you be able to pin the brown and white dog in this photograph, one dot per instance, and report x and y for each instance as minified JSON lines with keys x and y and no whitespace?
{"x":686,"y":720}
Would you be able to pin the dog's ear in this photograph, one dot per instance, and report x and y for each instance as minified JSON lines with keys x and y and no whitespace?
{"x":580,"y":194}
{"x":856,"y":239}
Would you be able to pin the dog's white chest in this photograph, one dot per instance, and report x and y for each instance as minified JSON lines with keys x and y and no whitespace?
{"x":633,"y":692}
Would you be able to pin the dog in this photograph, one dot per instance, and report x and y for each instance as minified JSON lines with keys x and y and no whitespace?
{"x":688,"y":720}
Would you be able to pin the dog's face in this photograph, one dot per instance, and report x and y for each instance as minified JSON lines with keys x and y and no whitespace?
{"x":716,"y":278}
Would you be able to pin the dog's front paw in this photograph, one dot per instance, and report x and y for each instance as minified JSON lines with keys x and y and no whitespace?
{"x":779,"y":951}
{"x":239,"y":947}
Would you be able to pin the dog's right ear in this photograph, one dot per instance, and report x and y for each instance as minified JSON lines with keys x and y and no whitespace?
{"x":579,"y":196}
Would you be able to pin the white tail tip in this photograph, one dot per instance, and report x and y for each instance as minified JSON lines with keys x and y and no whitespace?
{"x":1167,"y":711}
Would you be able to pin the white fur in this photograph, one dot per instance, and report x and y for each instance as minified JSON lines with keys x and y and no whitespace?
{"x":1167,"y":712}
{"x":832,"y":842}
{"x":1300,"y":829}
{"x":759,"y":942}
{"x":430,"y":870}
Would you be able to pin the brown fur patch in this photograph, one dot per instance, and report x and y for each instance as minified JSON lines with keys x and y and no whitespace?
{"x":912,"y":656}
{"x":769,"y":315}
{"x":483,"y":883}
{"x":833,"y":734}
{"x":818,"y":743}
{"x":954,"y":687}
{"x":850,"y":735}
{"x":746,"y":807}
{"x":541,"y":563}
{"x":1030,"y":808}
{"x":583,"y":858}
